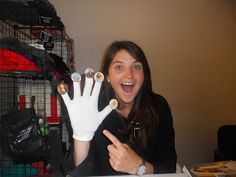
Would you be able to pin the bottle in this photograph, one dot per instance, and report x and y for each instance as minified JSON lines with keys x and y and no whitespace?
{"x":41,"y":126}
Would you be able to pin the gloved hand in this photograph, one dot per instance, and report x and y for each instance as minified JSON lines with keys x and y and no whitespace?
{"x":83,"y":109}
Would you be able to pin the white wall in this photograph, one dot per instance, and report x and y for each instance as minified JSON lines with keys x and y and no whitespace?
{"x":191,"y":49}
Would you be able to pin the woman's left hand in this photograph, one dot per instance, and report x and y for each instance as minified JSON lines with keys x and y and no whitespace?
{"x":122,"y":157}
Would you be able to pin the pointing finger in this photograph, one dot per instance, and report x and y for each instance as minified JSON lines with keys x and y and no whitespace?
{"x":112,"y":138}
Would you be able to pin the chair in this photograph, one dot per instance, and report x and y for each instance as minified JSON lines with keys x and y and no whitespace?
{"x":226,"y":143}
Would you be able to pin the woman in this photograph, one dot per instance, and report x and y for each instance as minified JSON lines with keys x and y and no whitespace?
{"x":135,"y":138}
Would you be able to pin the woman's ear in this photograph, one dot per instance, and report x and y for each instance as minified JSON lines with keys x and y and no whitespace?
{"x":108,"y":80}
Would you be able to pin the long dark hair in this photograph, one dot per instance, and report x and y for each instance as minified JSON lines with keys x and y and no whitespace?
{"x":142,"y":110}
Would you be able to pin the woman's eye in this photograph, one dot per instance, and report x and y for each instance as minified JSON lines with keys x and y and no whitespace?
{"x":137,"y":67}
{"x":118,"y":67}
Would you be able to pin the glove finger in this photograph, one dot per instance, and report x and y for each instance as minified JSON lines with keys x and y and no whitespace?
{"x":77,"y":91}
{"x":112,"y":106}
{"x":102,"y":114}
{"x":62,"y":89}
{"x":98,"y":77}
{"x":76,"y":78}
{"x":88,"y":82}
{"x":66,"y":99}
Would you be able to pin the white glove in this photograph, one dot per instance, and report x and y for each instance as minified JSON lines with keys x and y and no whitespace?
{"x":83,"y":109}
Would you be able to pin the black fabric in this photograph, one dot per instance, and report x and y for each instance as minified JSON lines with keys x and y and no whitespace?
{"x":226,"y":142}
{"x":28,"y":12}
{"x":25,"y":142}
{"x":56,"y":154}
{"x":60,"y":65}
{"x":160,"y":151}
{"x":40,"y":57}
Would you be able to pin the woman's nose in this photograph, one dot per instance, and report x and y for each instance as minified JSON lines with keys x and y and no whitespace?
{"x":128,"y":73}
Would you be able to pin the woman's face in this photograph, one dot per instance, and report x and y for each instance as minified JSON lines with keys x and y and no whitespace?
{"x":125,"y":74}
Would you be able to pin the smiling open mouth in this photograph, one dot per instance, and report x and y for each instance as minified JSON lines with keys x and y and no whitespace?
{"x":127,"y":86}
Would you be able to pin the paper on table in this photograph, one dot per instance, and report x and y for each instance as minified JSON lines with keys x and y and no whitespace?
{"x":214,"y":168}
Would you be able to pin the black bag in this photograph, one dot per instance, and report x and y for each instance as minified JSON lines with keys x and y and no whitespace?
{"x":25,"y":142}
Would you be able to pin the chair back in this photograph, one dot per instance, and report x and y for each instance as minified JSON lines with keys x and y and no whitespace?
{"x":226,"y":143}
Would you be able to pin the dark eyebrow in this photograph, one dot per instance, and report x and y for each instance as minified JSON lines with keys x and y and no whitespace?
{"x":120,"y":62}
{"x":137,"y":62}
{"x":117,"y":62}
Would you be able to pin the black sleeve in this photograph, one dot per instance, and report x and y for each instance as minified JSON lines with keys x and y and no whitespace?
{"x":86,"y":168}
{"x":163,"y":152}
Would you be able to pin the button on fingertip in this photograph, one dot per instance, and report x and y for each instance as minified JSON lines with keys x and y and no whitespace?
{"x":99,"y":77}
{"x":75,"y":77}
{"x":113,"y":104}
{"x":89,"y":72}
{"x":62,"y":88}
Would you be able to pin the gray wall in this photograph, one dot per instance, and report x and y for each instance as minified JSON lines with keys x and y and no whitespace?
{"x":190,"y":45}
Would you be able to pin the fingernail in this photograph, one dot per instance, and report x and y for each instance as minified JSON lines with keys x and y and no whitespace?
{"x":89,"y":72}
{"x":113,"y":104}
{"x":99,"y":77}
{"x":62,"y":88}
{"x":75,"y":77}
